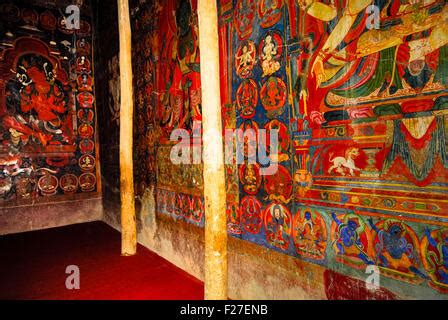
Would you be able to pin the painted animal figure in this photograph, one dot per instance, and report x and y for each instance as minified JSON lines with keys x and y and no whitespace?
{"x":342,"y":164}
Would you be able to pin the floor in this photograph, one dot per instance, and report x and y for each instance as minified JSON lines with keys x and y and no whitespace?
{"x":33,"y":266}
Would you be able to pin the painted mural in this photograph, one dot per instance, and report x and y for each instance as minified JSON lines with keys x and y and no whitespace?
{"x":361,"y":114}
{"x":47,"y":105}
{"x":167,"y":93}
{"x":361,"y":110}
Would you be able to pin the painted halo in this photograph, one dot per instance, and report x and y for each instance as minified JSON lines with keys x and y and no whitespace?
{"x":87,"y":182}
{"x":277,"y":224}
{"x":269,"y":14}
{"x":48,"y":184}
{"x":396,"y":250}
{"x":251,"y":215}
{"x":245,"y":58}
{"x":273,"y":96}
{"x":250,"y":178}
{"x":244,"y":17}
{"x":247,"y":98}
{"x":309,"y":233}
{"x":87,"y":163}
{"x":69,"y":183}
{"x":278,"y":186}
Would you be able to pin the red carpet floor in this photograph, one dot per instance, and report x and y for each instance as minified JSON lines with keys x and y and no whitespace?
{"x":32,"y":266}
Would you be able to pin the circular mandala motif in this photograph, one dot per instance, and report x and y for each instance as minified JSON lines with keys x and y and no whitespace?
{"x":87,"y":182}
{"x":48,"y":184}
{"x":250,"y":178}
{"x":87,"y":163}
{"x":270,"y":52}
{"x":69,"y":183}
{"x":247,"y":98}
{"x":250,"y":211}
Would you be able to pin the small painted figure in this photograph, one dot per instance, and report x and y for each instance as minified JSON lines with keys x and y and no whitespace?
{"x":393,"y":250}
{"x":441,"y":263}
{"x":276,"y":226}
{"x":348,"y":241}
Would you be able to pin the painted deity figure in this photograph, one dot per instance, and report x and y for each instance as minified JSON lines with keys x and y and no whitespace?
{"x":309,"y":235}
{"x":249,"y":141}
{"x":283,"y":140}
{"x":375,"y":40}
{"x":269,"y":51}
{"x":278,"y":186}
{"x":251,"y":180}
{"x":181,"y":101}
{"x":247,"y":98}
{"x":403,"y":53}
{"x":394,"y":250}
{"x":274,"y":97}
{"x":245,"y":60}
{"x":37,"y":103}
{"x":348,"y":241}
{"x":268,"y":5}
{"x":269,"y":12}
{"x":251,"y":214}
{"x":277,"y":226}
{"x":441,"y":263}
{"x":244,"y":15}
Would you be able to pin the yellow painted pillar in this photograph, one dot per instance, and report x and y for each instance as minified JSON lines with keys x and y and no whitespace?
{"x":214,"y":176}
{"x":128,"y":221}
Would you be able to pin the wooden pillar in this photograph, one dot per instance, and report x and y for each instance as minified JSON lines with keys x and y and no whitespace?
{"x":128,"y":221}
{"x":214,"y":176}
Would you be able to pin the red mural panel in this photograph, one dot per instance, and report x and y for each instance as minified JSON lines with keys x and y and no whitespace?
{"x":47,"y":110}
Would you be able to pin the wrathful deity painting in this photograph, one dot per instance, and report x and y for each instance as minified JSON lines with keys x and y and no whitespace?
{"x":47,"y":105}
